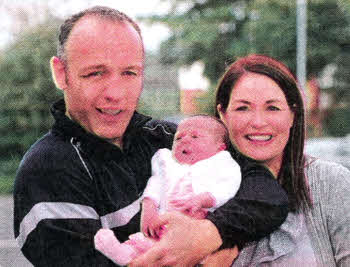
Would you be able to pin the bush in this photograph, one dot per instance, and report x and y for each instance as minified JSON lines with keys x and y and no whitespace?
{"x":7,"y":174}
{"x":337,"y":122}
{"x":26,"y":91}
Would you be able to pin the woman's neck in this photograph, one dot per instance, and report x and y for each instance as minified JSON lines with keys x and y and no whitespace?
{"x":274,"y":165}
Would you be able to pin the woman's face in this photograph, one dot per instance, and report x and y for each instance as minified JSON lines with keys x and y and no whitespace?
{"x":259,"y":119}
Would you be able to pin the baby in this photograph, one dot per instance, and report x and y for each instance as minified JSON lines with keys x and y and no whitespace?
{"x":197,"y":176}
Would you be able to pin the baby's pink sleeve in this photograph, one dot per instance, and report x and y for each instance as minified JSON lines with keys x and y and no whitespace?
{"x":155,"y":184}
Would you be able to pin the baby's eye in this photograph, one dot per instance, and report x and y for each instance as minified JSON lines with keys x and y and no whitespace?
{"x":194,"y":136}
{"x":178,"y":138}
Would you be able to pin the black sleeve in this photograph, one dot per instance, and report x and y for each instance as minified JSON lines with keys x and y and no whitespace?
{"x":54,"y":216}
{"x":259,"y":207}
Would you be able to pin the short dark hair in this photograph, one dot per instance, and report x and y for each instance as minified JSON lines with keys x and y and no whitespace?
{"x":291,"y":175}
{"x":100,"y":11}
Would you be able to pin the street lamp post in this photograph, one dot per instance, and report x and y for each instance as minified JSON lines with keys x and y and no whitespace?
{"x":301,"y":41}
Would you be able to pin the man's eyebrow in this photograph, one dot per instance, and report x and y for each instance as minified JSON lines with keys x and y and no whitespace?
{"x":133,"y":67}
{"x":93,"y":67}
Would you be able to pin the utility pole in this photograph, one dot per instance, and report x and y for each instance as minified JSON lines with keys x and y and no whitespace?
{"x":301,"y":41}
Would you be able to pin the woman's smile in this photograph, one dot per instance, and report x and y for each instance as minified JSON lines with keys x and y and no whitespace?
{"x":259,"y":137}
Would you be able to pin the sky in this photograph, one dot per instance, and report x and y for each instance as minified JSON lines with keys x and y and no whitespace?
{"x":152,"y":35}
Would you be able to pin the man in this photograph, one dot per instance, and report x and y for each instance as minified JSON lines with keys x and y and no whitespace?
{"x":90,"y":170}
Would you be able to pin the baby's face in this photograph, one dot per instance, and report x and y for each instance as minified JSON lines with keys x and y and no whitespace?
{"x":196,"y":139}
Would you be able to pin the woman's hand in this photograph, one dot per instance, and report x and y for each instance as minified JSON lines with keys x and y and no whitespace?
{"x":185,"y":242}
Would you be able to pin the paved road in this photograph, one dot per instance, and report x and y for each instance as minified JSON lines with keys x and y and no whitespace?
{"x":10,"y":255}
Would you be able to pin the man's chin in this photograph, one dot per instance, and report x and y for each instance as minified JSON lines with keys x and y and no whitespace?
{"x":114,"y":138}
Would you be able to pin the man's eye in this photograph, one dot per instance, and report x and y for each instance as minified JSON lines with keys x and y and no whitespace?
{"x":130,"y":73}
{"x":92,"y":74}
{"x":242,"y":108}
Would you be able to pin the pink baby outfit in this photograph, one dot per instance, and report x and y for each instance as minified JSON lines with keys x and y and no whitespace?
{"x":219,"y":175}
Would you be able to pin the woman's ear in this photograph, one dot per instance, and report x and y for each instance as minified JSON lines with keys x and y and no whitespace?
{"x":292,"y":120}
{"x":220,"y":112}
{"x":58,"y":72}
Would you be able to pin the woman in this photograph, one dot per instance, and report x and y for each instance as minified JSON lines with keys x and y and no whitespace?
{"x":259,"y":101}
{"x":261,"y":104}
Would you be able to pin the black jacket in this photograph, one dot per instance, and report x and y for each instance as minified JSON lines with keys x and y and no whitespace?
{"x":259,"y":207}
{"x":71,"y":183}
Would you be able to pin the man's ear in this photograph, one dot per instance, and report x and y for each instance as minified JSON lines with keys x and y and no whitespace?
{"x":58,"y":73}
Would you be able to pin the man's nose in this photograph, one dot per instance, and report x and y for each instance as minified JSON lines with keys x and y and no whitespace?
{"x":114,"y":90}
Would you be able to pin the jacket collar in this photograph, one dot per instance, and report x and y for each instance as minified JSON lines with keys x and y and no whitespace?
{"x":87,"y":142}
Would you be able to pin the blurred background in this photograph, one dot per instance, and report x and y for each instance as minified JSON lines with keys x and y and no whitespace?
{"x":189,"y":44}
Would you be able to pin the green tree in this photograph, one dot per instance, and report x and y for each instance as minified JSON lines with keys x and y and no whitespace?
{"x":26,"y":93}
{"x":342,"y":76}
{"x":219,"y":31}
{"x":27,"y":88}
{"x":337,"y":119}
{"x":206,"y":32}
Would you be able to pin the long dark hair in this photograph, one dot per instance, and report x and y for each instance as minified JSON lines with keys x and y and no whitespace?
{"x":291,"y":175}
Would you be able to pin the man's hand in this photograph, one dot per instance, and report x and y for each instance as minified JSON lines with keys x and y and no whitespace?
{"x":185,"y":242}
{"x":221,"y":258}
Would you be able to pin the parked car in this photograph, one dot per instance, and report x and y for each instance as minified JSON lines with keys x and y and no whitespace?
{"x":330,"y":148}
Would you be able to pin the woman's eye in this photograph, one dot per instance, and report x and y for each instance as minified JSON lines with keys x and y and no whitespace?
{"x":273,"y":108}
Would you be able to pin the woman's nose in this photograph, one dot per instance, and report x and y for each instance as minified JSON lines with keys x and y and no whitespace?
{"x":258,"y":119}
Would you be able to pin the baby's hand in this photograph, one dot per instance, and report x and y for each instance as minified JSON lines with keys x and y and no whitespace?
{"x":189,"y":205}
{"x":193,"y":205}
{"x":151,"y":226}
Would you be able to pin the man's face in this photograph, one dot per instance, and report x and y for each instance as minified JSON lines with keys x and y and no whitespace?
{"x":104,"y":76}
